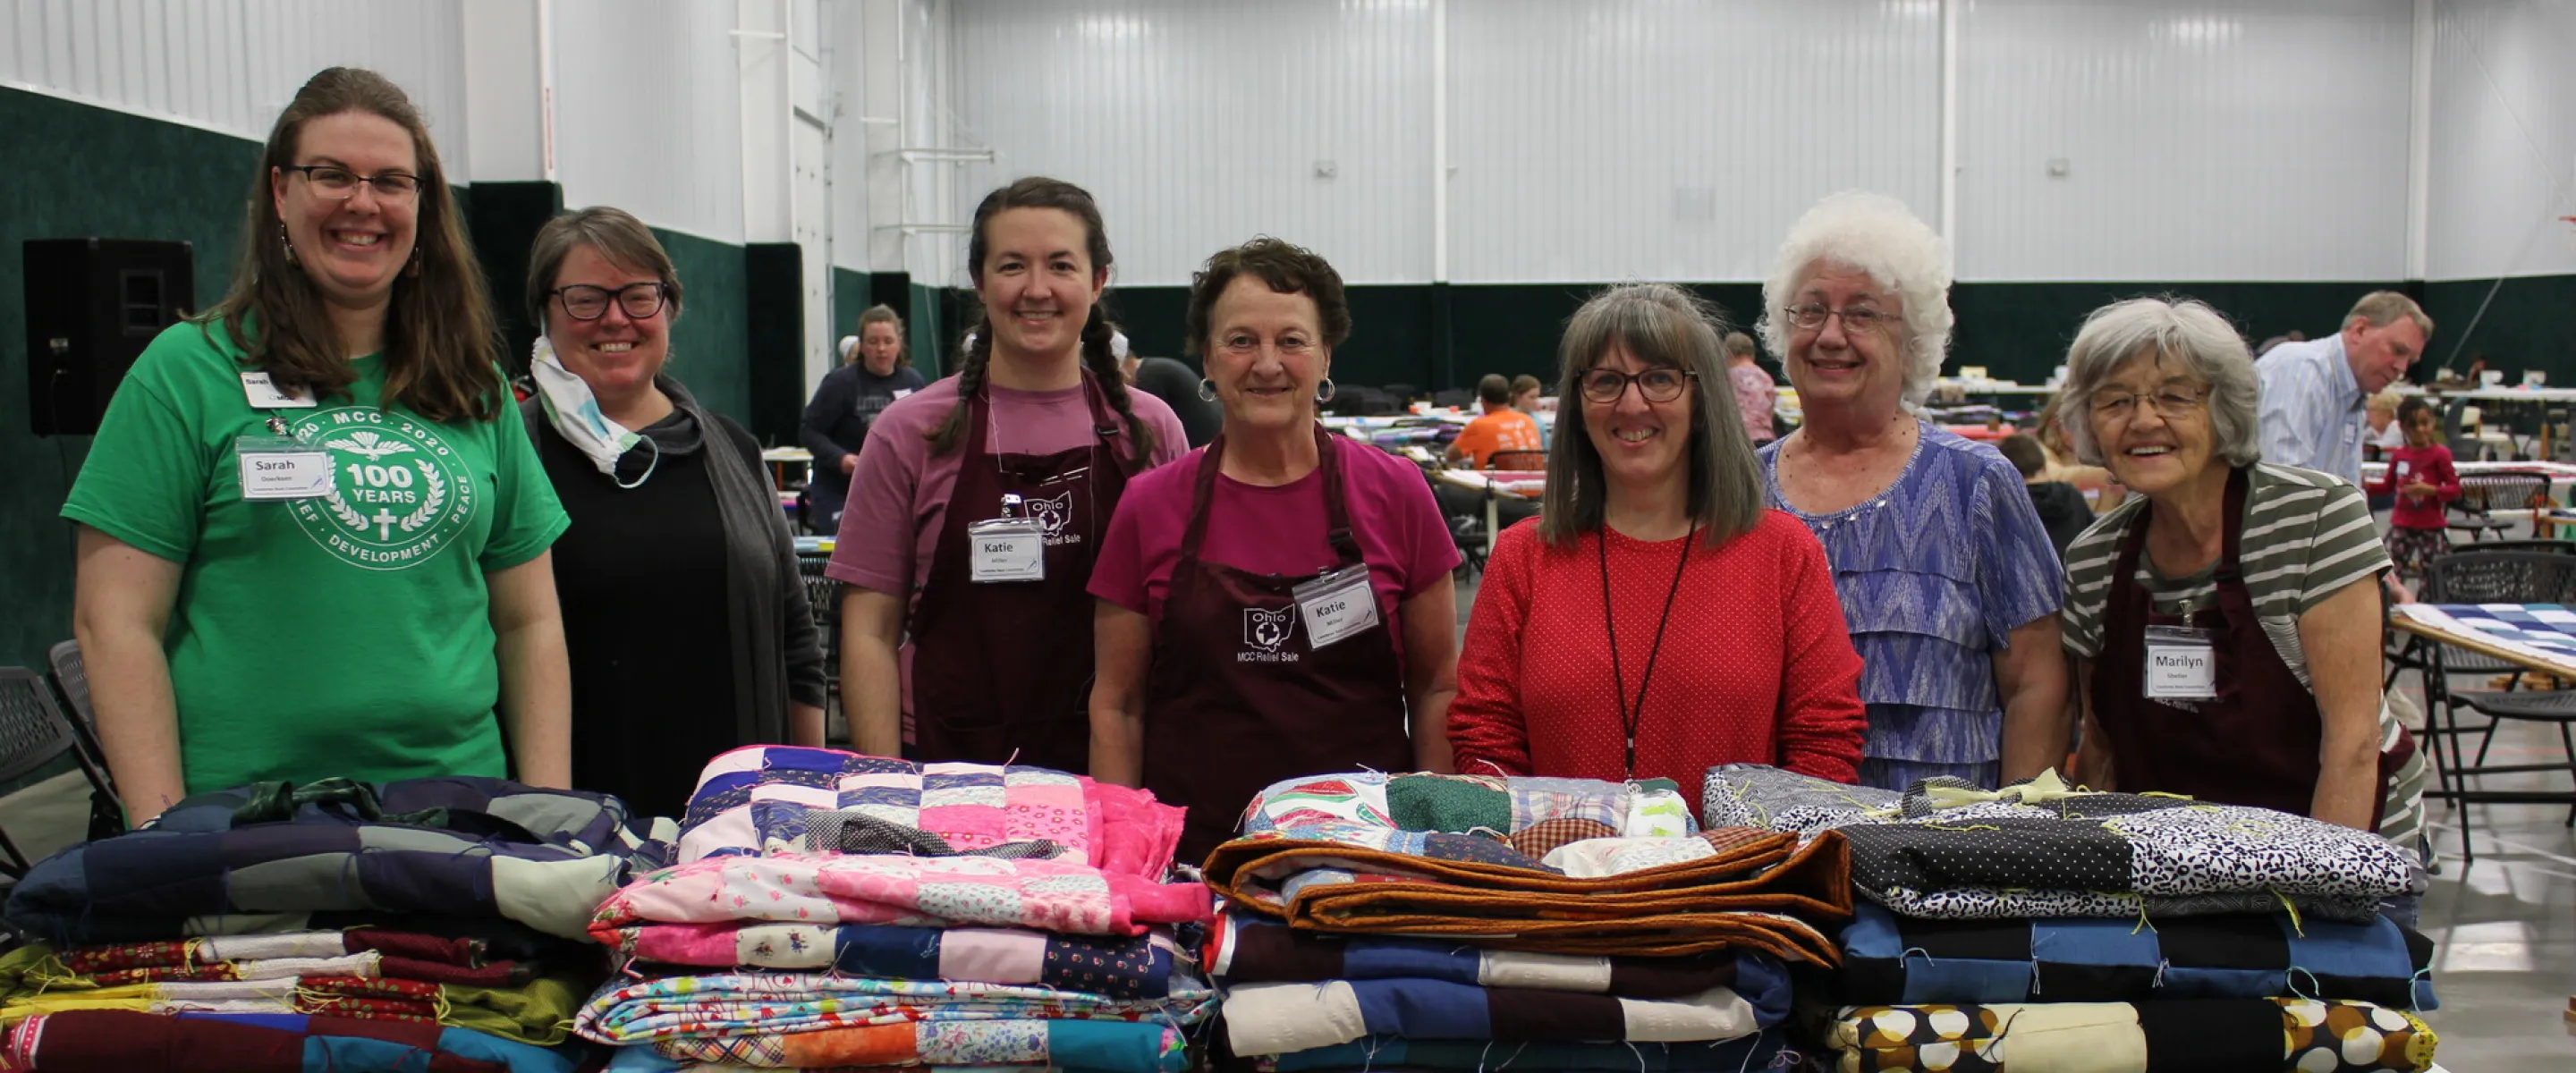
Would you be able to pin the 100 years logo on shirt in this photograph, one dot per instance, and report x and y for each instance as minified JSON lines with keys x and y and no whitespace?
{"x":399,"y":494}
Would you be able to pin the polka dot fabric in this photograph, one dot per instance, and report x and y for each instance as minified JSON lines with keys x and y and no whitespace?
{"x":1756,"y":666}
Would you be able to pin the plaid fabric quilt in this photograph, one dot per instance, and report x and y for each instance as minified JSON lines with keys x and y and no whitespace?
{"x":1243,"y":948}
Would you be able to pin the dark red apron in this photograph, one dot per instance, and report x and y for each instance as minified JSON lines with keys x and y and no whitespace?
{"x":2256,"y":743}
{"x":1237,"y":701}
{"x":1005,"y":667}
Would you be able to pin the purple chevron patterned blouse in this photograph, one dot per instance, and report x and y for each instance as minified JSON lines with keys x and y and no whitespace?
{"x":1933,"y":573}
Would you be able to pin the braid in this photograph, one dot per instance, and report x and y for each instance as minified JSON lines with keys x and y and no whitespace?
{"x":951,"y":431}
{"x":1104,"y":368}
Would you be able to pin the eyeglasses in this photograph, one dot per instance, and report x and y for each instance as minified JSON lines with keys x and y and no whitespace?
{"x":1657,"y":385}
{"x":338,"y":182}
{"x":1812,"y":316}
{"x":582,"y":301}
{"x":2171,"y":400}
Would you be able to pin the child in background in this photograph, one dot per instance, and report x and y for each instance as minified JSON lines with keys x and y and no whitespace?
{"x":2062,"y":507}
{"x":2421,"y":476}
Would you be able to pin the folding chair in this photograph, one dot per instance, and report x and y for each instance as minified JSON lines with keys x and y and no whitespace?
{"x":33,"y":731}
{"x":2494,"y":577}
{"x":824,"y":593}
{"x":71,"y":688}
{"x":1528,"y":461}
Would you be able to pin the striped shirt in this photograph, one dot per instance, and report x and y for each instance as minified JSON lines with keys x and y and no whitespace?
{"x":2312,"y":408}
{"x":2306,"y":536}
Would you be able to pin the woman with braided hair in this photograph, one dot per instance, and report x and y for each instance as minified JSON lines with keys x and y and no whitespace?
{"x":980,"y":502}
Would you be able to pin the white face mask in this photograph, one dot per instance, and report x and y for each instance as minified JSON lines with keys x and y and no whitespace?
{"x":574,"y":412}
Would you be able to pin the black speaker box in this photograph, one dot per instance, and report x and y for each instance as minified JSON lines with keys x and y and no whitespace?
{"x":92,"y":306}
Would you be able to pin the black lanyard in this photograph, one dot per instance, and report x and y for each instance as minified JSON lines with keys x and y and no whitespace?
{"x":1629,"y":715}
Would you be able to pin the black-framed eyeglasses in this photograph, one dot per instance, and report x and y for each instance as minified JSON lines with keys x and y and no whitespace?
{"x":1657,"y":385}
{"x":332,"y":180}
{"x":1811,"y":316}
{"x":581,"y":301}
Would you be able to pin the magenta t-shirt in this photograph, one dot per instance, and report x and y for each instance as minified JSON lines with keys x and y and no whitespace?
{"x":899,"y":494}
{"x":1279,"y":530}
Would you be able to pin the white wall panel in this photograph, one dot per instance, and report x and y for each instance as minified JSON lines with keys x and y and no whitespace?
{"x":1658,"y":140}
{"x":1199,"y":125}
{"x":2504,"y":138}
{"x":231,"y":65}
{"x":648,"y":111}
{"x":2204,"y":140}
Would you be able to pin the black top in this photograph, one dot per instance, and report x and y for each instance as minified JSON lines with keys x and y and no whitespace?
{"x":641,"y":578}
{"x":2063,"y":511}
{"x":1178,"y":386}
{"x":845,"y":404}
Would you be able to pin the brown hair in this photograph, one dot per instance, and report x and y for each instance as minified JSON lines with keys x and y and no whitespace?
{"x":440,"y":337}
{"x":1739,"y":345}
{"x":1493,"y":390}
{"x":617,"y":236}
{"x":1658,"y":324}
{"x":1287,"y":268}
{"x":884,"y":314}
{"x":1039,"y":192}
{"x":1524,"y":384}
{"x":2024,"y":452}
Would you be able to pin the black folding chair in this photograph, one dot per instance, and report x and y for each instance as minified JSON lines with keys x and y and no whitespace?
{"x":824,"y":594}
{"x":71,"y":688}
{"x":2494,"y":577}
{"x":2483,"y":494}
{"x":33,"y":731}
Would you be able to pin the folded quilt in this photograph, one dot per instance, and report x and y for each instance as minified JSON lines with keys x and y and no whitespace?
{"x":2042,"y":849}
{"x":461,"y":846}
{"x":1359,"y":879}
{"x":1248,"y":949}
{"x":1129,"y":1047}
{"x":730,"y":1004}
{"x":767,"y":799}
{"x":356,"y":952}
{"x":2292,"y":1035}
{"x":1462,"y":803}
{"x":1060,"y":896}
{"x":112,"y":1041}
{"x":33,"y":981}
{"x":1888,"y":959}
{"x":648,"y":1060}
{"x":1115,"y":966}
{"x":1280,"y":1018}
{"x":1756,"y":1052}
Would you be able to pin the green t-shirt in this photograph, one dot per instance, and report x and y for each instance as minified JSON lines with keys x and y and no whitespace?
{"x":343,"y":635}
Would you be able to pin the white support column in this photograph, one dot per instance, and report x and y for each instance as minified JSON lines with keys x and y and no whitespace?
{"x":761,"y":50}
{"x":881,"y":113}
{"x":1950,"y":129}
{"x":1439,"y":141}
{"x":2419,"y":150}
{"x":509,"y":91}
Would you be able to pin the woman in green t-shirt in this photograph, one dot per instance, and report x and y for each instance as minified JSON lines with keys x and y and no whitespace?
{"x":310,"y":543}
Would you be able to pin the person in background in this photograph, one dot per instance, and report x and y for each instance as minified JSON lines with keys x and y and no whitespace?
{"x":1947,"y":578}
{"x":1655,"y":493}
{"x":1222,"y":666}
{"x":2313,"y":393}
{"x":1525,"y":389}
{"x":1755,"y":396}
{"x":2422,"y":479}
{"x":2386,"y":432}
{"x":846,"y":405}
{"x":673,"y":523}
{"x":2262,"y":572}
{"x":1500,"y":428}
{"x":1177,"y":385}
{"x":2292,"y":336}
{"x":389,"y":611}
{"x":2061,"y":506}
{"x":1038,"y":432}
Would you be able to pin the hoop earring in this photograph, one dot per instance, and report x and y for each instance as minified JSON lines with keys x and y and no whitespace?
{"x":286,"y":243}
{"x":1207,"y":390}
{"x":1324,"y":391}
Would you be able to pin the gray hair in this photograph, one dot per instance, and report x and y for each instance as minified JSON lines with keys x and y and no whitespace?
{"x":1875,"y":234}
{"x":2195,"y":339}
{"x":1657,"y":324}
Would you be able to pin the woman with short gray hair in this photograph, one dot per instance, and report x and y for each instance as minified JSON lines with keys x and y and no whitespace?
{"x":1653,"y":490}
{"x":1947,"y":577}
{"x":2225,"y":622}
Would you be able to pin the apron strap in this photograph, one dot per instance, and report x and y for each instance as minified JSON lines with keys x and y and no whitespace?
{"x":1337,"y":514}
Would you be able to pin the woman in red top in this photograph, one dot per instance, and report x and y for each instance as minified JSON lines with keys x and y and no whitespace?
{"x":2421,"y":476}
{"x":1582,"y":658}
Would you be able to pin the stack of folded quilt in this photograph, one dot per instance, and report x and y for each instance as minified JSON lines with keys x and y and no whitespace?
{"x":1471,"y":922}
{"x":425,"y":923}
{"x":2047,"y":929}
{"x":834,"y":910}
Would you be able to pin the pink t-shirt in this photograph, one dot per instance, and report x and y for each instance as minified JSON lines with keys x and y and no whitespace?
{"x":899,"y":495}
{"x":1755,"y":398}
{"x":1279,"y":530}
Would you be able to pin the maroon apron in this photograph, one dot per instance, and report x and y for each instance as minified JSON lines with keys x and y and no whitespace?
{"x":1005,"y":667}
{"x":2256,"y":742}
{"x":1237,"y":701}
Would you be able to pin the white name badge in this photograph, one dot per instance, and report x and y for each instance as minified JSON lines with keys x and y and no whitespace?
{"x":1006,"y":549}
{"x":2401,"y":469}
{"x":2182,"y":664}
{"x":1336,"y":604}
{"x":263,"y":394}
{"x":902,"y":393}
{"x":280,"y":468}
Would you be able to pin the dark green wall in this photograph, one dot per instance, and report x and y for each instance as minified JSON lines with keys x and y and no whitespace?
{"x":2527,"y":326}
{"x":708,"y":346}
{"x":850,"y":297}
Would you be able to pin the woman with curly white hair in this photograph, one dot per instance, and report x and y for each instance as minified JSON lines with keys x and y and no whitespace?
{"x":1947,"y":578}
